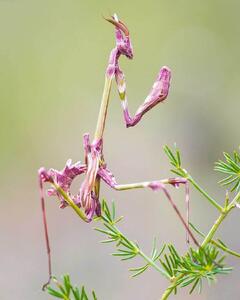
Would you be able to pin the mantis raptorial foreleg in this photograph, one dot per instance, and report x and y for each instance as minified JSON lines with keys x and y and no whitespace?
{"x":160,"y":88}
{"x":157,"y":94}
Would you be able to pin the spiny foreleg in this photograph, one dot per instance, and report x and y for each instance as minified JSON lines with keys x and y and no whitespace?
{"x":158,"y":93}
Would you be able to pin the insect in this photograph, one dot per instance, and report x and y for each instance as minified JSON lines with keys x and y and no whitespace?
{"x":86,"y":203}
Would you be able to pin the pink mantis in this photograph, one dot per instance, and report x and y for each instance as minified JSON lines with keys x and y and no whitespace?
{"x":86,"y":203}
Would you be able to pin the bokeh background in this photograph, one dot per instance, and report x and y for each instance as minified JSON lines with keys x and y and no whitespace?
{"x":53,"y":56}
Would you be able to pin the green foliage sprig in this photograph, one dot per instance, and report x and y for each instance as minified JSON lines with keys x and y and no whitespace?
{"x":194,"y":266}
{"x":231,"y":167}
{"x":67,"y":291}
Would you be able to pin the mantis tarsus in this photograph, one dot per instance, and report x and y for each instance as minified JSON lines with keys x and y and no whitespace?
{"x":86,"y":202}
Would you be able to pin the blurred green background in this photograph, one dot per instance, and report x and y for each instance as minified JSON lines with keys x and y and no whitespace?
{"x":53,"y":56}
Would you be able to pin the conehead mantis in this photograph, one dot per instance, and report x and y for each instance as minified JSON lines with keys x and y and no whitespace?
{"x":86,"y":203}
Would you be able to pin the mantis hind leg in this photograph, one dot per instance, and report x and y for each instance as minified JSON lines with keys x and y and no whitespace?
{"x":41,"y":174}
{"x":108,"y":177}
{"x":159,"y":185}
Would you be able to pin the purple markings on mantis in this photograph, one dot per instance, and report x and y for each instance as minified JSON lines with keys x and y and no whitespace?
{"x":61,"y":180}
{"x":86,"y":203}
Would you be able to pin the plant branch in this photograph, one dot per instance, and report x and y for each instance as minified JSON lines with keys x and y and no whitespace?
{"x":176,"y":162}
{"x":225,"y":249}
{"x":219,"y":244}
{"x":203,"y":192}
{"x":147,"y":259}
{"x":171,"y":288}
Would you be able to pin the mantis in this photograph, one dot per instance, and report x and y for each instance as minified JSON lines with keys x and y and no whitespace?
{"x":86,"y":203}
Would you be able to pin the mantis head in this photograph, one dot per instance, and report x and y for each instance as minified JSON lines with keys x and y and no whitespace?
{"x":123,"y":42}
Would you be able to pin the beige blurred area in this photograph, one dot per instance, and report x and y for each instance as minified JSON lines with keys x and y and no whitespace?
{"x":53,"y":56}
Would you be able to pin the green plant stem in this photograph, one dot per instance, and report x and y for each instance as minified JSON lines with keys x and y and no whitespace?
{"x":225,"y":249}
{"x":225,"y":211}
{"x":171,"y":288}
{"x":153,"y":264}
{"x":236,"y":200}
{"x":217,"y":244}
{"x":214,"y":228}
{"x":204,"y":193}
